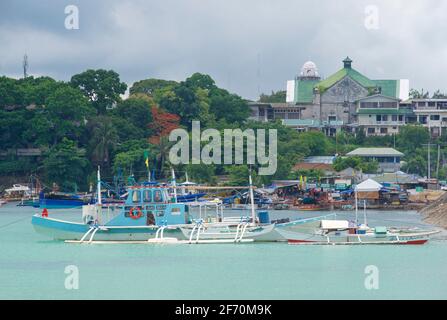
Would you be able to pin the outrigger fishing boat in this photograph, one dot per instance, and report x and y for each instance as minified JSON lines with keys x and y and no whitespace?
{"x":344,"y":232}
{"x":148,"y":215}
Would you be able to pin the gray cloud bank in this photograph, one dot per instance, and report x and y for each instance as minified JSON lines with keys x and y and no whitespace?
{"x":247,"y":46}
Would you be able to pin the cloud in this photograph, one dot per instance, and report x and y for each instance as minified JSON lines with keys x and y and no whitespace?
{"x":248,"y":46}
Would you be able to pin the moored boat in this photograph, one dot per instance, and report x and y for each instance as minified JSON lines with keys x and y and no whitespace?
{"x":151,"y":215}
{"x":60,"y":201}
{"x":344,"y":232}
{"x":146,"y":210}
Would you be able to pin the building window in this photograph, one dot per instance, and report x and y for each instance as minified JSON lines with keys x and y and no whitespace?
{"x":280,"y":115}
{"x":423,"y":119}
{"x":384,"y":118}
{"x":293,"y":115}
{"x":401,"y":118}
{"x":384,"y":130}
{"x":421,"y":104}
{"x":394,"y":117}
{"x":371,"y":130}
{"x":432,"y":104}
{"x":434,"y":117}
{"x":378,"y":118}
{"x":368,"y":105}
{"x":388,"y":105}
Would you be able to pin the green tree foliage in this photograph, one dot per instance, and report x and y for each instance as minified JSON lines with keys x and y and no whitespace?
{"x":196,"y":98}
{"x":416,"y":94}
{"x":129,"y":157}
{"x":103,"y":140}
{"x":136,"y":112}
{"x":67,"y":111}
{"x":411,"y":137}
{"x":150,"y":86}
{"x":316,"y":143}
{"x":274,"y":97}
{"x":439,"y":95}
{"x":238,"y":175}
{"x":202,"y":174}
{"x":101,"y":87}
{"x":66,"y":164}
{"x":357,"y":163}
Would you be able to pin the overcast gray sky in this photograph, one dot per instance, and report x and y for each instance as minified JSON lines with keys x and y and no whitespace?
{"x":247,"y":46}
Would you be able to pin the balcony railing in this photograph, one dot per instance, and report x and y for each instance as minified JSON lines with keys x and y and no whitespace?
{"x":391,"y":122}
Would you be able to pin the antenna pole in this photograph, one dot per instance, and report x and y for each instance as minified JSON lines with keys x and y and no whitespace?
{"x":25,"y":66}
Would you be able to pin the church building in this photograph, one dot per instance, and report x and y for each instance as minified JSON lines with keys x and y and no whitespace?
{"x":343,"y":99}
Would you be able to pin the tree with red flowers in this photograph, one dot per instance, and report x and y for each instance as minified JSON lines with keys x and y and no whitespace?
{"x":162,"y":124}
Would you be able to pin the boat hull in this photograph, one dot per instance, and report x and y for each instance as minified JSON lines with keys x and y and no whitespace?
{"x":64,"y":230}
{"x":299,"y":238}
{"x":60,"y":204}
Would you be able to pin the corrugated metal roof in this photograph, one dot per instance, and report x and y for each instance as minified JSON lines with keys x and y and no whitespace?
{"x":345,"y":72}
{"x":375,"y":152}
{"x":320,"y":159}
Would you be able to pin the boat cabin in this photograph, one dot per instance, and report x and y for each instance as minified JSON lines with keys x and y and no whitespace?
{"x":150,"y":205}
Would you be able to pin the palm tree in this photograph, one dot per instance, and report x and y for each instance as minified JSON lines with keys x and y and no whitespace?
{"x":162,"y":154}
{"x":103,"y":140}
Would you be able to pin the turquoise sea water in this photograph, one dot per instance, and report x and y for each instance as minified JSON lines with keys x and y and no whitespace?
{"x":32,"y":266}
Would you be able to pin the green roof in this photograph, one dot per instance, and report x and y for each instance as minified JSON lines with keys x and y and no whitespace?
{"x":384,"y":111}
{"x":389,"y":87}
{"x":304,"y":88}
{"x":345,"y":72}
{"x":304,"y":91}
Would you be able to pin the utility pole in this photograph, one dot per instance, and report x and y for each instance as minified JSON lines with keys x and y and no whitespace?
{"x":25,"y":66}
{"x":428,"y":159}
{"x":437,"y":163}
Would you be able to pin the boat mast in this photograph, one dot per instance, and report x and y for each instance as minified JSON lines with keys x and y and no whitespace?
{"x":98,"y":186}
{"x":174,"y":184}
{"x":364,"y":213}
{"x":252,"y":200}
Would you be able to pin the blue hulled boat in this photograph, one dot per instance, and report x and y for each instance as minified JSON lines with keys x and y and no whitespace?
{"x":145,"y":210}
{"x":59,"y":201}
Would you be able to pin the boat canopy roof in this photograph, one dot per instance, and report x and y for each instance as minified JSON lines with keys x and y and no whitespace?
{"x":334,"y":224}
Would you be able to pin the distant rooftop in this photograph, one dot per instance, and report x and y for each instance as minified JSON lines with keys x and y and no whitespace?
{"x":375,"y":152}
{"x":320,"y":159}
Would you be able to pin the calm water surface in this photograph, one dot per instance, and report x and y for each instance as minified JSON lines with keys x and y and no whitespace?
{"x":32,"y":266}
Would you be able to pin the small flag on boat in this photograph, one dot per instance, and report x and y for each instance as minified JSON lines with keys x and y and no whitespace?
{"x":146,"y":158}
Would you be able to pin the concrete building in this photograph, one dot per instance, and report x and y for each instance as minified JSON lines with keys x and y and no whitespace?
{"x":431,"y":113}
{"x":331,"y":103}
{"x":388,"y":158}
{"x":381,"y":115}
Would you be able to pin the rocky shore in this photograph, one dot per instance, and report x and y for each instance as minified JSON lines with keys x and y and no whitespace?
{"x":436,"y":212}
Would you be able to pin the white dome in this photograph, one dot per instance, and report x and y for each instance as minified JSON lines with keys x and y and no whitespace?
{"x":309,"y":69}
